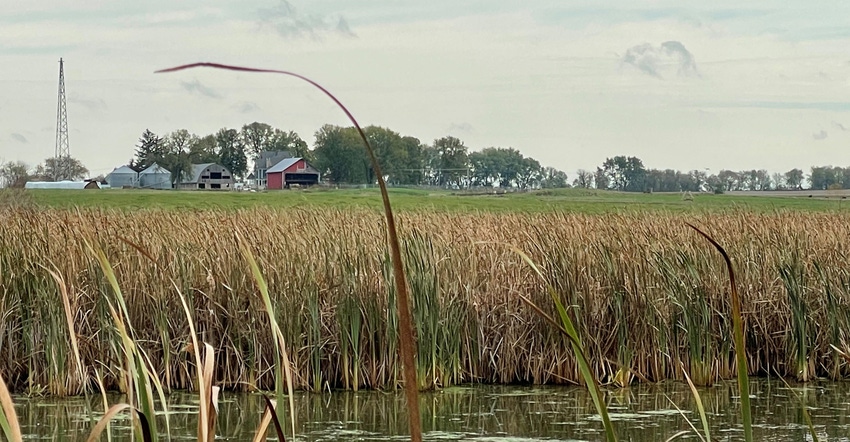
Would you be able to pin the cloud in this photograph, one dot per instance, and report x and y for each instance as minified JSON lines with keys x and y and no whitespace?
{"x":343,"y":28}
{"x":288,"y":22}
{"x":19,"y":138}
{"x":246,"y":107}
{"x":820,"y":135}
{"x":92,"y":104}
{"x":460,"y":127}
{"x":196,"y":87}
{"x":840,"y":126}
{"x":657,"y":60}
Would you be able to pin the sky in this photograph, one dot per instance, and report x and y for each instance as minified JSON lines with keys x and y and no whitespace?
{"x":679,"y":84}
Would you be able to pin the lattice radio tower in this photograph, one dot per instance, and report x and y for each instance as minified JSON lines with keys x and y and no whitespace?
{"x":62,"y":157}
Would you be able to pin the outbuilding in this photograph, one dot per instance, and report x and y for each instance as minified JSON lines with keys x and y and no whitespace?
{"x":208,"y":176}
{"x":291,"y":171}
{"x":155,"y":177}
{"x":122,"y":177}
{"x":264,"y":161}
{"x":71,"y":185}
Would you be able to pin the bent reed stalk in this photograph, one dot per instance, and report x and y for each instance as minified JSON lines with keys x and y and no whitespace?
{"x":328,"y":276}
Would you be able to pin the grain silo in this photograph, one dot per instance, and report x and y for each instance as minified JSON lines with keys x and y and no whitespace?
{"x":122,"y":177}
{"x":155,"y":177}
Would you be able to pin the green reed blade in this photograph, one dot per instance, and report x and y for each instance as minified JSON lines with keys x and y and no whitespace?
{"x":738,"y":331}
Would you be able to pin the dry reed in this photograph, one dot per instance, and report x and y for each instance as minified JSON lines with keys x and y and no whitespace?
{"x":643,"y":281}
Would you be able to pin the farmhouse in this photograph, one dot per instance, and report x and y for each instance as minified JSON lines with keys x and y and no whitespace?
{"x":208,"y":176}
{"x":265,"y":160}
{"x":291,"y":171}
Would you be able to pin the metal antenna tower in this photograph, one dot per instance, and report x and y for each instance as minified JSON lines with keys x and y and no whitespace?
{"x":62,"y":157}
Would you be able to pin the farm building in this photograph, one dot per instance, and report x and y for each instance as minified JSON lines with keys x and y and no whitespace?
{"x":264,"y":161}
{"x":62,"y":185}
{"x":292,"y":171}
{"x":155,"y":177}
{"x":208,"y":176}
{"x":122,"y":177}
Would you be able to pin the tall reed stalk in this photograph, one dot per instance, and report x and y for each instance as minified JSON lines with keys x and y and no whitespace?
{"x":738,"y":331}
{"x":793,"y":277}
{"x":408,"y":344}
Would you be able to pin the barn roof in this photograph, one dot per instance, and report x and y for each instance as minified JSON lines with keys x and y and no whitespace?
{"x":155,"y":168}
{"x":268,"y":158}
{"x":284,"y":164}
{"x":197,"y":169}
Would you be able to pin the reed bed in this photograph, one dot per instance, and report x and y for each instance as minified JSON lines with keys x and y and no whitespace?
{"x":647,"y":296}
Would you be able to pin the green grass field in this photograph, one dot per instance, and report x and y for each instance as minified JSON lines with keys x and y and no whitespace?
{"x":566,"y":200}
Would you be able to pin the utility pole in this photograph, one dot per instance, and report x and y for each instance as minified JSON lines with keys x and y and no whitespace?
{"x":62,"y":157}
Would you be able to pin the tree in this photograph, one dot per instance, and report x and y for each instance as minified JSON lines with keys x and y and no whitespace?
{"x":453,"y":161}
{"x":176,"y":158}
{"x":667,"y":180}
{"x":179,"y":141}
{"x":50,"y":170}
{"x":761,"y":180}
{"x":730,"y":180}
{"x":340,"y":155}
{"x":600,"y":178}
{"x":231,"y":151}
{"x":414,"y":154}
{"x":584,"y":179}
{"x":529,"y":174}
{"x":826,"y":177}
{"x":624,"y":173}
{"x":256,"y":137}
{"x":390,"y":152}
{"x":554,"y":179}
{"x":697,"y":181}
{"x":715,"y":184}
{"x":778,"y":180}
{"x":149,"y":150}
{"x":204,"y":150}
{"x":488,"y":166}
{"x":291,"y":142}
{"x":794,"y":179}
{"x":14,"y":174}
{"x":431,"y":165}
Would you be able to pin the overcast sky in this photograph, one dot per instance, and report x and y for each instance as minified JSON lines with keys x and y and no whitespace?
{"x":683,"y":85}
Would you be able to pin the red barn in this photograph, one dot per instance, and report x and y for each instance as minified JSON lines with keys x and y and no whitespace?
{"x":291,"y":171}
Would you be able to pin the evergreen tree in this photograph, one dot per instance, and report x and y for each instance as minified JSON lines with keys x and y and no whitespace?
{"x":149,"y":150}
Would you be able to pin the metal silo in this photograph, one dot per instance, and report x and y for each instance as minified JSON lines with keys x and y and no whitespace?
{"x":123,"y":177}
{"x":155,"y":177}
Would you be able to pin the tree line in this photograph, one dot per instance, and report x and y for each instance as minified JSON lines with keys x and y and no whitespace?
{"x":629,"y":174}
{"x":447,"y":162}
{"x":339,"y":154}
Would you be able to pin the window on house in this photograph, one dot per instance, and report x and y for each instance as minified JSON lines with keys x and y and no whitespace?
{"x":215,"y":175}
{"x":215,"y":186}
{"x":201,"y":186}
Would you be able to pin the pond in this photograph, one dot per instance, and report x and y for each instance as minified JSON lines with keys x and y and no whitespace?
{"x":486,"y":413}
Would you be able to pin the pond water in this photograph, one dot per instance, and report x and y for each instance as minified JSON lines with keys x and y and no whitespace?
{"x":485,"y":413}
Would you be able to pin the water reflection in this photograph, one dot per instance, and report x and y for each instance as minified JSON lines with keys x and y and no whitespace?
{"x":483,"y":413}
